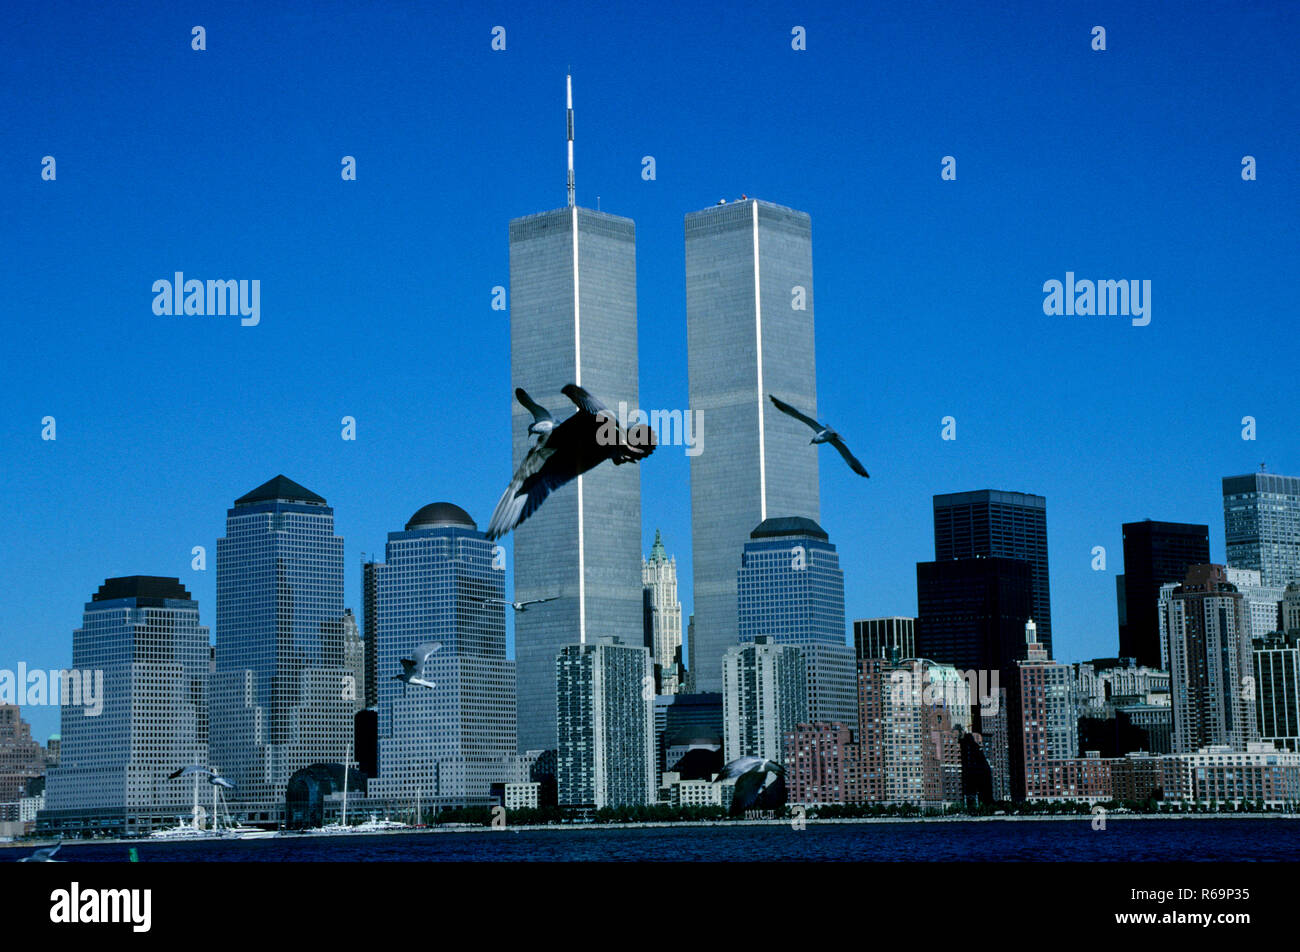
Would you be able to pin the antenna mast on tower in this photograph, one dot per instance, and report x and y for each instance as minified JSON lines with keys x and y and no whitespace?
{"x":568,"y":83}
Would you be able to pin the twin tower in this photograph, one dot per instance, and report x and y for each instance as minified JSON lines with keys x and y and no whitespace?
{"x":749,"y":317}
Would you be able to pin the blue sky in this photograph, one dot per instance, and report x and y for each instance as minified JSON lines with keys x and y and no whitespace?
{"x":376,"y":293}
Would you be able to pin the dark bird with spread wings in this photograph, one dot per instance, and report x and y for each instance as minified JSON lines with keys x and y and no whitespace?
{"x":823,"y":434}
{"x":582,"y":442}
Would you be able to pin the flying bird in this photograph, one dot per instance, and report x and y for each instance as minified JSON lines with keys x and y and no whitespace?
{"x":44,"y":855}
{"x":521,"y":606}
{"x":413,"y":667}
{"x":823,"y":434}
{"x":581,"y":442}
{"x":543,"y":422}
{"x":210,"y":772}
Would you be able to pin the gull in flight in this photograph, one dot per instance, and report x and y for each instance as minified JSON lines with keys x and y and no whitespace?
{"x":582,"y":442}
{"x":413,"y":667}
{"x":823,"y":434}
{"x":521,"y":606}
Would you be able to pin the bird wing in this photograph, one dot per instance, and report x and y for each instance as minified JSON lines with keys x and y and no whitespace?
{"x":494,"y":601}
{"x":421,"y":654}
{"x":538,"y":411}
{"x":583,"y":400}
{"x":538,"y":601}
{"x":408,"y":666}
{"x":186,"y":771}
{"x":527,"y":489}
{"x":791,"y":411}
{"x":849,"y":458}
{"x":221,"y":782}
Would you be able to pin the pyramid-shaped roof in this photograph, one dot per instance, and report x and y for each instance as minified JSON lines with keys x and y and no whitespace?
{"x":281,"y":487}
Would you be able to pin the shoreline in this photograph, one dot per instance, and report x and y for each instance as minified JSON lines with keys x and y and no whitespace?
{"x":669,"y":824}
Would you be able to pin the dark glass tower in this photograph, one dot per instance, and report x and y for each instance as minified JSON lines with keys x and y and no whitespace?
{"x":971,"y":613}
{"x":1154,"y":553}
{"x":992,"y":523}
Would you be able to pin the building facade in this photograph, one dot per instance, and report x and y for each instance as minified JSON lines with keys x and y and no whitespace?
{"x":990,"y":523}
{"x":884,"y":639}
{"x":764,"y":697}
{"x":605,"y":717}
{"x":573,"y":320}
{"x":143,"y":633}
{"x":663,"y":617}
{"x":1154,"y":553}
{"x":1261,"y":524}
{"x":1203,"y":626}
{"x":749,"y":295}
{"x":439,"y":584}
{"x":279,"y":698}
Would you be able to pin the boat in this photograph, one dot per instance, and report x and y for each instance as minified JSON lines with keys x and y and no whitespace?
{"x":373,"y":825}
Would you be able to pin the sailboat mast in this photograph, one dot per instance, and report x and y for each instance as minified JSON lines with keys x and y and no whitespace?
{"x":347,"y":768}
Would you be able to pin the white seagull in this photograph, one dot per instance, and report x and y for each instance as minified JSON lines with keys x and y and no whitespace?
{"x":521,"y":606}
{"x":413,"y":667}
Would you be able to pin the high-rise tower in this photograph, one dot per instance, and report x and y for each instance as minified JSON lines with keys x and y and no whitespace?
{"x":749,"y":333}
{"x":573,"y":320}
{"x":279,"y":702}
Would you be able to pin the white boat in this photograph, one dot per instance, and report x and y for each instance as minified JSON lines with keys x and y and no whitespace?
{"x":372,"y":825}
{"x":223,"y":824}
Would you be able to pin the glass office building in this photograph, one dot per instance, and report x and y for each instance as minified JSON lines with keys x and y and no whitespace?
{"x":143,"y":633}
{"x":991,"y":523}
{"x":1261,"y":523}
{"x":280,"y":698}
{"x":443,"y":746}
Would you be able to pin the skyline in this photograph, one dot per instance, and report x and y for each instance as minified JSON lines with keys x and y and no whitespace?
{"x":162,"y":421}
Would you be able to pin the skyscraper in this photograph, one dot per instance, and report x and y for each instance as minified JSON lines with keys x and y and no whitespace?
{"x":143,"y":633}
{"x":1154,"y":553}
{"x":1203,"y":625}
{"x":605,"y":721}
{"x":790,"y":588}
{"x":443,"y":746}
{"x":279,"y":696}
{"x":663,"y":616}
{"x":764,"y":697}
{"x":573,"y":320}
{"x":989,"y":522}
{"x":749,"y":330}
{"x":971,"y":613}
{"x":1261,"y":523}
{"x":1046,"y":732}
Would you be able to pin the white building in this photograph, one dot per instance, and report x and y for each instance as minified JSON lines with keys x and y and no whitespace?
{"x":764,"y":695}
{"x":663,"y":617}
{"x":523,"y":796}
{"x":1262,"y":601}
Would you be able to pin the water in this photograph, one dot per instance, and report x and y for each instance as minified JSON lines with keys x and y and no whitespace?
{"x":1130,"y":840}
